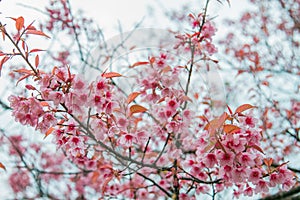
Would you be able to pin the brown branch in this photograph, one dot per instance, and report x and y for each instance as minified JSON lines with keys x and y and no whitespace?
{"x":284,"y":195}
{"x":149,"y":179}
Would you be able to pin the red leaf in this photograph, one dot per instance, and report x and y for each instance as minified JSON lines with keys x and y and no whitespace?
{"x":230,"y":129}
{"x":266,"y":83}
{"x":240,"y":72}
{"x":191,"y":16}
{"x":244,"y":107}
{"x":111,"y":75}
{"x":132,"y":97}
{"x":258,"y":149}
{"x":2,"y":166}
{"x":230,"y":111}
{"x":4,"y":59}
{"x":24,"y":71}
{"x":37,"y":61}
{"x":138,"y":64}
{"x":35,"y":50}
{"x":137,"y":109}
{"x":19,"y":23}
{"x":36,"y":32}
{"x":30,"y":87}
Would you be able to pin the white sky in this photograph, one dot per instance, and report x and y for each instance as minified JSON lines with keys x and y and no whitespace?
{"x":128,"y":12}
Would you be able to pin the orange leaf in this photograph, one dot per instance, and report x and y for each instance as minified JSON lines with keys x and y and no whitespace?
{"x":222,"y":119}
{"x":19,"y":23}
{"x":111,"y":75}
{"x":268,"y":161}
{"x":2,"y":166}
{"x":44,"y":103}
{"x":244,"y":107}
{"x":37,"y":61}
{"x":49,"y":131}
{"x":215,"y":124}
{"x":152,"y":60}
{"x":95,"y":177}
{"x":138,"y":64}
{"x":230,"y":129}
{"x":36,"y":32}
{"x":132,"y":97}
{"x":137,"y":109}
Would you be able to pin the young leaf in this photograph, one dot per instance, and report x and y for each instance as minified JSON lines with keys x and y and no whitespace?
{"x":30,"y":87}
{"x":132,"y":97}
{"x":36,"y":32}
{"x":23,"y":77}
{"x":268,"y":161}
{"x":2,"y":166}
{"x":35,"y":50}
{"x":37,"y":61}
{"x":4,"y":59}
{"x":231,"y":129}
{"x":258,"y":149}
{"x":138,"y":64}
{"x":24,"y":71}
{"x":230,"y":111}
{"x":243,"y":107}
{"x":19,"y":23}
{"x":137,"y":109}
{"x":49,"y":131}
{"x":111,"y":75}
{"x":215,"y":124}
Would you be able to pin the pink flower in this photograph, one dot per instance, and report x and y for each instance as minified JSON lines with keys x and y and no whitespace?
{"x":246,"y":159}
{"x":261,"y":186}
{"x":127,"y":140}
{"x":225,"y":158}
{"x":19,"y":181}
{"x":56,"y":96}
{"x":288,"y":184}
{"x":239,"y":174}
{"x":172,"y":127}
{"x":254,"y":175}
{"x":210,"y":160}
{"x":248,"y":191}
{"x":78,"y":83}
{"x":47,"y":121}
{"x":249,"y":121}
{"x":26,"y":111}
{"x":275,"y":179}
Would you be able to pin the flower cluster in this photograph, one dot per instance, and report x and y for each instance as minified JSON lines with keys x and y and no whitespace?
{"x":153,"y":141}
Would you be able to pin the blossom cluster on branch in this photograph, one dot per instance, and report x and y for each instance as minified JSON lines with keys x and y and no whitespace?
{"x":152,"y":142}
